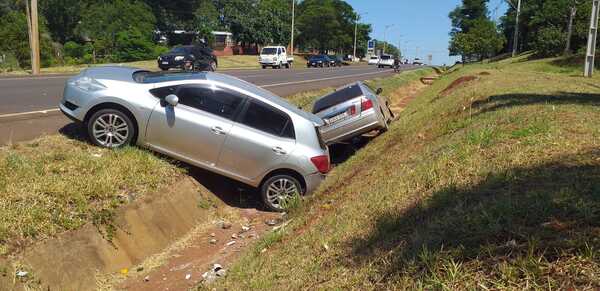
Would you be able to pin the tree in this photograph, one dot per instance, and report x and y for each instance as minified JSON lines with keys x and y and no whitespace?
{"x":103,"y":22}
{"x":481,"y":41}
{"x":15,"y":40}
{"x":206,"y":20}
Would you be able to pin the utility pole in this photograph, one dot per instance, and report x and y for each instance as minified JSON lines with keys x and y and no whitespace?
{"x":292,"y":37}
{"x":34,"y":37}
{"x":570,"y":28}
{"x":591,"y":48}
{"x":356,"y":34}
{"x":516,"y":36}
{"x":385,"y":37}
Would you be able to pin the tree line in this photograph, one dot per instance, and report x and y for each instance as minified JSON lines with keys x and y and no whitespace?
{"x":86,"y":31}
{"x":546,"y":27}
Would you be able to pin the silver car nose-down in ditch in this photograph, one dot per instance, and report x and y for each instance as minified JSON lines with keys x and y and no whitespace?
{"x":209,"y":120}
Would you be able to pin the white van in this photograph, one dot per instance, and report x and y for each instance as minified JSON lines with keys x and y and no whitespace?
{"x":275,"y":57}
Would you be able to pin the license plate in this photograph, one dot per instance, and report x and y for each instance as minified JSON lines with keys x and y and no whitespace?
{"x":165,"y":63}
{"x":337,"y":118}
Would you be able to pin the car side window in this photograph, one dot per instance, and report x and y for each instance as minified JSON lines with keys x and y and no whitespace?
{"x":163,"y":92}
{"x":219,"y":102}
{"x":268,"y":119}
{"x":278,"y":51}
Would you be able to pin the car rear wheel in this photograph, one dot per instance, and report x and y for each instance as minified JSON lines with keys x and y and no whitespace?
{"x":278,"y":191}
{"x":111,"y":128}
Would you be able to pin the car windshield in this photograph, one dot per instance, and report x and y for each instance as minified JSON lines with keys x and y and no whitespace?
{"x":269,"y":51}
{"x":147,"y":77}
{"x":180,"y":50}
{"x":386,"y":57}
{"x":374,"y":58}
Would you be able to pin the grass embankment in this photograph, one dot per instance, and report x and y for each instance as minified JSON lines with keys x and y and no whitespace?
{"x":494,"y":184}
{"x":55,"y":184}
{"x":225,"y":63}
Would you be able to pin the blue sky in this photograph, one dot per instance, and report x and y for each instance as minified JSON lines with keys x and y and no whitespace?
{"x":417,"y":23}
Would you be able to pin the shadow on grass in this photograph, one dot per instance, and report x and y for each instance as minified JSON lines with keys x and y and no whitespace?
{"x":499,"y":102}
{"x":546,"y":210}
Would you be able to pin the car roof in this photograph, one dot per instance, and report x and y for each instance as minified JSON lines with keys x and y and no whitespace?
{"x":267,"y":95}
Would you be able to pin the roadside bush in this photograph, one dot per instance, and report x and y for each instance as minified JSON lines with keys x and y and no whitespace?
{"x":15,"y":40}
{"x":8,"y":62}
{"x":132,"y":45}
{"x":550,"y":41}
{"x":73,"y":50}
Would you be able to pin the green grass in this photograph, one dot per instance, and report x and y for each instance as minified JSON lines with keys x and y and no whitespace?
{"x":225,"y":63}
{"x":495,"y":185}
{"x":54,"y":184}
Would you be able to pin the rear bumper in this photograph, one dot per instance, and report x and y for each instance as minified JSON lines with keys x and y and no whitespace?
{"x":313,"y":181}
{"x":352,"y":128}
{"x":71,"y":114}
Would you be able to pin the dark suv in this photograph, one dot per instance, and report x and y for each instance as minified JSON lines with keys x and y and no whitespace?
{"x":200,"y":57}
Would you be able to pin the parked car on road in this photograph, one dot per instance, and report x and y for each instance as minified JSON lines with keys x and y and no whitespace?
{"x":200,"y":57}
{"x":213,"y":121}
{"x":275,"y":57}
{"x":352,"y":111}
{"x":386,"y":61}
{"x":374,"y":60}
{"x":336,"y":61}
{"x":319,"y":61}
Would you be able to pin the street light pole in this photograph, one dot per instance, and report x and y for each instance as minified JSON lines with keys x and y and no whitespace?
{"x":356,"y":34}
{"x":591,"y":48}
{"x":385,"y":37}
{"x":292,"y":37}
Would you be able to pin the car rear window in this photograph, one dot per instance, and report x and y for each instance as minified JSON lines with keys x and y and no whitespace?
{"x":147,"y":77}
{"x":374,"y":58}
{"x":337,"y":97}
{"x":386,"y":57}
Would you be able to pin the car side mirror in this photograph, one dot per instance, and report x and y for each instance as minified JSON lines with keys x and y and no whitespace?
{"x":172,"y":100}
{"x":379,"y":91}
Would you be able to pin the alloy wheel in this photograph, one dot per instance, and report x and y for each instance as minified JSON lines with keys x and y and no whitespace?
{"x":110,"y":130}
{"x":280,"y":191}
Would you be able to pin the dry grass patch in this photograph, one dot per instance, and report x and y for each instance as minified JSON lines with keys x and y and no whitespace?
{"x":494,"y":186}
{"x":55,"y":184}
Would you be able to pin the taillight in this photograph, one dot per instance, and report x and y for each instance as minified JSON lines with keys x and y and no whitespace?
{"x":322,"y":164}
{"x":366,"y":104}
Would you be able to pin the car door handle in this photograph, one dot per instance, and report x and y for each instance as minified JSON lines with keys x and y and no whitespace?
{"x":217,"y":130}
{"x":279,"y":151}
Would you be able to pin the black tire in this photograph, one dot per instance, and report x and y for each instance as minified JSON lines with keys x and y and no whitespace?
{"x":264,"y":67}
{"x":212,"y":66}
{"x":266,"y":192}
{"x":114,"y":135}
{"x":164,"y":69}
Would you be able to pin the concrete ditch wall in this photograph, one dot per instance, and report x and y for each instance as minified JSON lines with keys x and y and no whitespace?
{"x":145,"y":227}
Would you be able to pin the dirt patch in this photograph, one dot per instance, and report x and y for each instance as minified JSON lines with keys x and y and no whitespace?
{"x":71,"y":260}
{"x":400,"y":98}
{"x":184,"y":267}
{"x":456,"y":84}
{"x":485,"y":73}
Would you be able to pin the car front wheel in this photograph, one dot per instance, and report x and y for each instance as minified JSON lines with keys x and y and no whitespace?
{"x":111,"y":128}
{"x":278,"y":191}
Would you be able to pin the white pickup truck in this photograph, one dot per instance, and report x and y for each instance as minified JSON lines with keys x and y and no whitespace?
{"x":275,"y":57}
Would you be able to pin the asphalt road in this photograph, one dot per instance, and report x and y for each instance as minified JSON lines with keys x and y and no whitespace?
{"x":22,"y":98}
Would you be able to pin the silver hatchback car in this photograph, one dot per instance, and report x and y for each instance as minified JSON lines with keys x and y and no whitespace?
{"x":352,"y":111}
{"x":209,"y":120}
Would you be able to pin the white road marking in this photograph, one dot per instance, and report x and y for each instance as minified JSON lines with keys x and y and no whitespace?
{"x":46,"y":111}
{"x":35,"y":78}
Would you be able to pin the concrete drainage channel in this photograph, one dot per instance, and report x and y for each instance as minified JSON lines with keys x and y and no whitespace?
{"x":73,"y":260}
